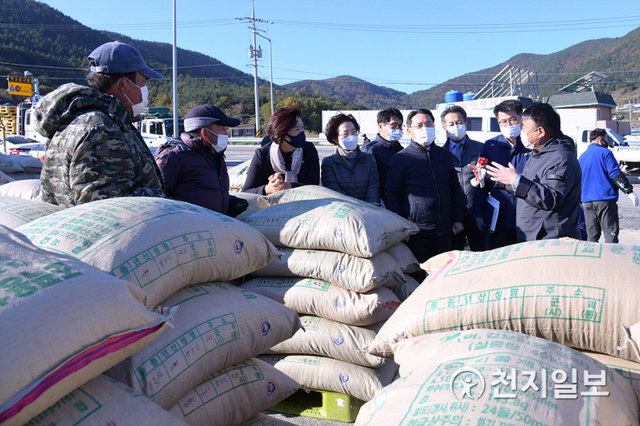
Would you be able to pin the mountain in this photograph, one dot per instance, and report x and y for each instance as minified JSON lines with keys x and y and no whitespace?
{"x":352,"y":89}
{"x":54,"y":47}
{"x":615,"y":57}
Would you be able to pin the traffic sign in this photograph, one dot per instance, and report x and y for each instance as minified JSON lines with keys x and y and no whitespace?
{"x":20,"y":86}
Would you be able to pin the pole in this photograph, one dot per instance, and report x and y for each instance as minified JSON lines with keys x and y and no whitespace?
{"x":255,"y":67}
{"x":270,"y":68}
{"x":176,"y":132}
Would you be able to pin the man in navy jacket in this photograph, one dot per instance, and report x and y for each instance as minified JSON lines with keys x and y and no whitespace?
{"x":422,"y":186}
{"x":503,"y":149}
{"x":193,"y":168}
{"x":601,"y":177}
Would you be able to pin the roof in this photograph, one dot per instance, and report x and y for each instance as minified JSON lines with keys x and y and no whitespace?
{"x":584,"y":83}
{"x":567,"y":100}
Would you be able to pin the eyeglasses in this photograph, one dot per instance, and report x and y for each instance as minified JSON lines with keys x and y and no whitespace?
{"x":512,"y":121}
{"x":419,"y":126}
{"x":394,"y":126}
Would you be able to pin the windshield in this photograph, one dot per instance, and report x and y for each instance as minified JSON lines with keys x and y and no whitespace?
{"x":169,"y":127}
{"x":614,"y":137}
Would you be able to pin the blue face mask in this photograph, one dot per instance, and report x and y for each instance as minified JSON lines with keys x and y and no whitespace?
{"x":298,"y":140}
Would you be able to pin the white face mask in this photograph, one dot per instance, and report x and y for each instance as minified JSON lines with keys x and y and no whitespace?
{"x":525,"y":140}
{"x":511,"y":132}
{"x":349,"y":143}
{"x":394,"y":134}
{"x":137,"y":109}
{"x":223,"y":141}
{"x":457,"y":132}
{"x":425,"y":135}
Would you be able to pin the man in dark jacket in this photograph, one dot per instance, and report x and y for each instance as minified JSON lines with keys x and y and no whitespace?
{"x":193,"y":167}
{"x":464,"y":151}
{"x":423,"y":187}
{"x":386,"y":144}
{"x":503,"y":149}
{"x":549,"y":187}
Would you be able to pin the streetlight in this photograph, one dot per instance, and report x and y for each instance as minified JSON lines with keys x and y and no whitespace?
{"x":270,"y":67}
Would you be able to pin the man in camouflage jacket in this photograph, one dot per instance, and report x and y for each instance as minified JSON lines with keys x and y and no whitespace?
{"x":93,"y":151}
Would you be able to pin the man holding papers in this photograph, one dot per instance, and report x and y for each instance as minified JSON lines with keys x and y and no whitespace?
{"x":503,"y":149}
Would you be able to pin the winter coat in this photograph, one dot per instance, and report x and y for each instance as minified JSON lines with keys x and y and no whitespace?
{"x":358,"y":180}
{"x":498,"y":149}
{"x":382,"y":151}
{"x":469,"y":155}
{"x":422,"y":186}
{"x":549,"y":192}
{"x":260,"y":169}
{"x":193,"y":173}
{"x":600,"y":171}
{"x":93,"y":151}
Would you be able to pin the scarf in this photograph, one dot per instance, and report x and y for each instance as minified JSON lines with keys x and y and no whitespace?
{"x":277,"y":162}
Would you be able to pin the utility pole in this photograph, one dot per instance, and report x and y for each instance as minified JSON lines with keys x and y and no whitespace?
{"x":255,"y":54}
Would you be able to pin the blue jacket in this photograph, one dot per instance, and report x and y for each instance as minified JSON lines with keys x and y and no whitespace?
{"x":549,"y":192}
{"x":192,"y":173}
{"x":422,"y":186}
{"x":260,"y":169}
{"x":358,"y":179}
{"x":599,"y":168}
{"x":498,"y":149}
{"x":382,"y":151}
{"x":470,"y":152}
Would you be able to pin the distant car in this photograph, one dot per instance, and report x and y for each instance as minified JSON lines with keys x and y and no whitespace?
{"x":21,"y":145}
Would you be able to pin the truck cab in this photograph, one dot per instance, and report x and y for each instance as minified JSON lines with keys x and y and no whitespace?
{"x":156,"y":127}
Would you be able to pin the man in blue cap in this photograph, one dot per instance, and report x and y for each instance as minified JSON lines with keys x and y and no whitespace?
{"x":193,"y":167}
{"x":93,"y":151}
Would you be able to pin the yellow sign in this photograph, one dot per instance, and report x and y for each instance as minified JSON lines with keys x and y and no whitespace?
{"x":20,"y":86}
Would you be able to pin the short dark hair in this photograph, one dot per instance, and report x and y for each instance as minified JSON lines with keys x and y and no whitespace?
{"x":544,"y":116}
{"x":331,"y":130}
{"x":385,"y":115}
{"x":597,"y":133}
{"x":454,"y":109}
{"x":419,"y":111}
{"x":282,"y":120}
{"x":508,"y":106}
{"x":103,"y":82}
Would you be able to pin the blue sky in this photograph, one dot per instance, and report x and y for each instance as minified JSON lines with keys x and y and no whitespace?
{"x":404,"y":45}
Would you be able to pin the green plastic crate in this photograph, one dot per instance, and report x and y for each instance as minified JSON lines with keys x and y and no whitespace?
{"x":321,"y":404}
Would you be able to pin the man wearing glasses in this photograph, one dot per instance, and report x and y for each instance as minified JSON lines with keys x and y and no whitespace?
{"x":422,"y":186}
{"x":386,"y":144}
{"x":549,"y":187}
{"x":504,"y":149}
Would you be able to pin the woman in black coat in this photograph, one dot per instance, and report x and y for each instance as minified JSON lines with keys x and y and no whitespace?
{"x":288,"y":161}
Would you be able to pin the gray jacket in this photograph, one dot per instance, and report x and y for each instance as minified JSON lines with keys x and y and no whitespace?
{"x":470,"y":153}
{"x":549,"y":192}
{"x":358,"y":180}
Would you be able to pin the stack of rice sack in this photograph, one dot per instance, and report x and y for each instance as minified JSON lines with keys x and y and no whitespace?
{"x":27,"y":188}
{"x":64,"y":322}
{"x":334,"y":268}
{"x":17,"y":211}
{"x":5,"y":178}
{"x":202,"y":370}
{"x":237,"y":176}
{"x":573,"y":294}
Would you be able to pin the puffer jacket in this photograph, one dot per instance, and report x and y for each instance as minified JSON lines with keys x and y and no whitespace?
{"x":549,"y":192}
{"x":93,"y":151}
{"x":422,"y":186}
{"x":359,"y":180}
{"x":191,"y":172}
{"x":469,"y":155}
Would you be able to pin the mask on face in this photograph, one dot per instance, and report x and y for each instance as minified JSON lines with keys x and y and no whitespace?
{"x":223,"y":141}
{"x":457,"y":132}
{"x":525,"y":140}
{"x":297,"y":141}
{"x":137,"y":109}
{"x":425,"y":136}
{"x":511,"y":132}
{"x":394,"y":134}
{"x":349,"y":143}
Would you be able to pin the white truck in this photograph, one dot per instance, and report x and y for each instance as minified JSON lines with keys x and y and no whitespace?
{"x":156,"y":127}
